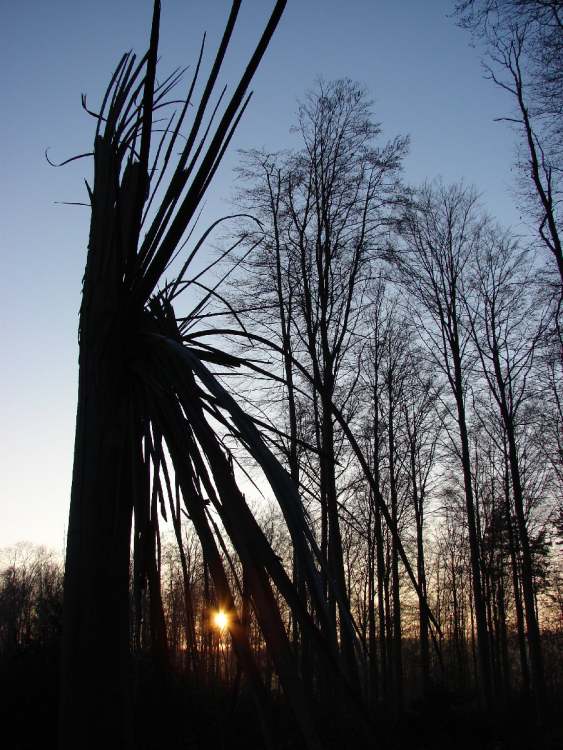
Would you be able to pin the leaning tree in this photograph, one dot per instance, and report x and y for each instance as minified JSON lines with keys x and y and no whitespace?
{"x":151,"y":410}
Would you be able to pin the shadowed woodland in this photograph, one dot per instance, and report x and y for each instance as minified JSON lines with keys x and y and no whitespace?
{"x":318,"y":472}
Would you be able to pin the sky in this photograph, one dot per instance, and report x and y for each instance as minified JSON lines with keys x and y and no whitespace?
{"x":420,"y":70}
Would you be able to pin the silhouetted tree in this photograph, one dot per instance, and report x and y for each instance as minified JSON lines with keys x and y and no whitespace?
{"x":524,"y":56}
{"x":145,"y":395}
{"x":440,"y":233}
{"x":325,"y":208}
{"x":506,"y":331}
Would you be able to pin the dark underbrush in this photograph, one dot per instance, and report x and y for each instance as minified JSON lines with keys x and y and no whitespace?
{"x":172,"y":712}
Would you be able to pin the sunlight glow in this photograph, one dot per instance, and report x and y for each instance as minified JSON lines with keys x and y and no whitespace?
{"x":220,"y":619}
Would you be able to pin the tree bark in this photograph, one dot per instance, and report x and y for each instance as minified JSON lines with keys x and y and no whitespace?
{"x":95,"y":702}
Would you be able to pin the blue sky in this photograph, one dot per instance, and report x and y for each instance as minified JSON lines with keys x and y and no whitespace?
{"x":425,"y":80}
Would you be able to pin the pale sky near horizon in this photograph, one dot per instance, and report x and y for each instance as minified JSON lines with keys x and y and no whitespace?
{"x":424,"y":77}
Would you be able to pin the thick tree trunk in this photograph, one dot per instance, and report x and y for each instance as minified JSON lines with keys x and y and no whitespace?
{"x":95,"y":710}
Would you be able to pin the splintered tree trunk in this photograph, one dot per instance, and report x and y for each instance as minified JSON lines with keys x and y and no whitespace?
{"x":95,"y":703}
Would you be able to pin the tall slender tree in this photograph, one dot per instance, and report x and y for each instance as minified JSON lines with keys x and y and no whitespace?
{"x":439,"y":235}
{"x":338,"y":193}
{"x":507,"y":327}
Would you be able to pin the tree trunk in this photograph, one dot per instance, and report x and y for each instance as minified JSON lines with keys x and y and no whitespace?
{"x":95,"y":705}
{"x":479,"y":602}
{"x":516,"y":585}
{"x":381,"y":600}
{"x":373,"y":681}
{"x":397,"y":635}
{"x":337,"y":591}
{"x":532,"y":625}
{"x":534,"y":641}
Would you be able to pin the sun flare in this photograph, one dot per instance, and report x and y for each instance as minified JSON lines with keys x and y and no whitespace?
{"x":220,"y":619}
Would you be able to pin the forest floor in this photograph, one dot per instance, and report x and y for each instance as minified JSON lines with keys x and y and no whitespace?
{"x":174,"y":714}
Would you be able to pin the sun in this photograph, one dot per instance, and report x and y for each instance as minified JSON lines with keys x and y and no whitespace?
{"x":220,"y":619}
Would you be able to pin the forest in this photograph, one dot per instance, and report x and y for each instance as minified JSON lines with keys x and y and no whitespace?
{"x":317,"y":496}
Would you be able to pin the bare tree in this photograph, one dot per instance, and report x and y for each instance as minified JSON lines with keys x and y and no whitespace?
{"x":439,"y":235}
{"x":338,"y":201}
{"x":324,"y":209}
{"x":507,"y":329}
{"x":524,"y":56}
